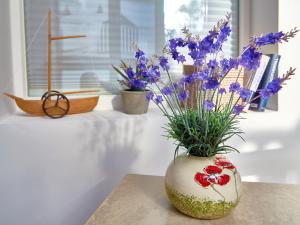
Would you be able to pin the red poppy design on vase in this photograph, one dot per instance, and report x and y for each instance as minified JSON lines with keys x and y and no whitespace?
{"x":222,"y":162}
{"x":211,"y":176}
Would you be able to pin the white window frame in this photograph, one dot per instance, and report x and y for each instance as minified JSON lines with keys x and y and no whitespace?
{"x":106,"y":102}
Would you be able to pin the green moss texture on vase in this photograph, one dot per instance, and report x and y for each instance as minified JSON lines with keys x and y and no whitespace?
{"x":190,"y":206}
{"x":203,"y":187}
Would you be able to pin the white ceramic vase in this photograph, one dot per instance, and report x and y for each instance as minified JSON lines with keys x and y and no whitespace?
{"x":202,"y":187}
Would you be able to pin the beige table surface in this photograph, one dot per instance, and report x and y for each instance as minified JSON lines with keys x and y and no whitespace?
{"x":141,"y":200}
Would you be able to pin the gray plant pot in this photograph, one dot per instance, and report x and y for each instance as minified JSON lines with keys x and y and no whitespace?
{"x":134,"y":102}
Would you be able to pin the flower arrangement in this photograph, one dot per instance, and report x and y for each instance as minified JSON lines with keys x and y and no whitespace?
{"x":203,"y":130}
{"x":137,"y":80}
{"x":143,"y":74}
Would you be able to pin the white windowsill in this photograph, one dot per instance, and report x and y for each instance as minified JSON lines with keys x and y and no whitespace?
{"x":23,"y":118}
{"x":100,"y":113}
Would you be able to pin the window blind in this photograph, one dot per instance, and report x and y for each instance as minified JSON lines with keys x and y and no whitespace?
{"x":111,"y":27}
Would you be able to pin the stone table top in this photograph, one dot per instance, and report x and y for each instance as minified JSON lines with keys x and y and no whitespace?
{"x":141,"y":200}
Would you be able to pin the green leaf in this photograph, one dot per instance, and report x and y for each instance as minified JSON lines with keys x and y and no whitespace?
{"x":120,"y":72}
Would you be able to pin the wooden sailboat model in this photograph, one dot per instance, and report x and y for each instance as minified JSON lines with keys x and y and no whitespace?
{"x":53,"y":103}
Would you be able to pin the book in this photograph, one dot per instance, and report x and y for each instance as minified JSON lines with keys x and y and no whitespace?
{"x":270,"y":73}
{"x":253,"y":81}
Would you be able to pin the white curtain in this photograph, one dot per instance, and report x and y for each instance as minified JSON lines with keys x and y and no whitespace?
{"x":111,"y":27}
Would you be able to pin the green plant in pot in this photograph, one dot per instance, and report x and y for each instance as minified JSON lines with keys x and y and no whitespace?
{"x":136,"y":81}
{"x":202,"y":182}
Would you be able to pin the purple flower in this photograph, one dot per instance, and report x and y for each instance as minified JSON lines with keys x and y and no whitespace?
{"x":183,"y":95}
{"x":234,"y":87}
{"x":237,"y":109}
{"x":167,"y":90}
{"x":197,"y":56}
{"x":172,"y":44}
{"x":224,"y":33}
{"x":176,"y":42}
{"x":245,"y":93}
{"x":139,"y":53}
{"x":264,"y":93}
{"x":250,"y":58}
{"x":274,"y":86}
{"x":208,"y":105}
{"x":176,"y":86}
{"x":271,"y":38}
{"x":142,"y":61}
{"x":175,"y":54}
{"x":189,"y":78}
{"x":158,"y":99}
{"x":138,"y":84}
{"x":206,"y":44}
{"x":192,"y":45}
{"x":212,"y":63}
{"x":181,"y":59}
{"x":203,"y":75}
{"x":152,"y":75}
{"x":228,"y":64}
{"x":163,"y":62}
{"x":180,"y":42}
{"x":234,"y":63}
{"x":149,"y":96}
{"x":194,"y":54}
{"x":211,"y":83}
{"x":224,"y":63}
{"x":222,"y":91}
{"x":130,"y":73}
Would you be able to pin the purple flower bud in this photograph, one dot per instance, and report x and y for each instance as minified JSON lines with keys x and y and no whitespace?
{"x":149,"y":96}
{"x":212,"y":64}
{"x":222,"y":91}
{"x":139,"y":53}
{"x":237,"y":109}
{"x":138,"y":84}
{"x":183,"y":95}
{"x":172,"y":44}
{"x":208,"y":105}
{"x":274,"y":86}
{"x":211,"y":83}
{"x":250,"y":58}
{"x":175,"y":54}
{"x":234,"y":87}
{"x":163,"y":62}
{"x":203,"y":75}
{"x":245,"y":93}
{"x":130,"y":73}
{"x":224,"y":33}
{"x":192,"y":45}
{"x":271,"y":38}
{"x":181,"y":59}
{"x":264,"y":93}
{"x":167,"y":90}
{"x":158,"y":99}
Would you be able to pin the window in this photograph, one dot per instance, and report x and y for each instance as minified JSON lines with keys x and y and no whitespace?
{"x":111,"y":27}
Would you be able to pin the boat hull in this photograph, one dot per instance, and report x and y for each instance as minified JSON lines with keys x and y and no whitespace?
{"x":77,"y":105}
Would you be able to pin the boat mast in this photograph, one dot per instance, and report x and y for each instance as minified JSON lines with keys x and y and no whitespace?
{"x":49,"y":53}
{"x":50,"y":39}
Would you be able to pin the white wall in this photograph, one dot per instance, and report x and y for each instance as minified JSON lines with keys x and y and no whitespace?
{"x":6,"y":75}
{"x":56,"y":172}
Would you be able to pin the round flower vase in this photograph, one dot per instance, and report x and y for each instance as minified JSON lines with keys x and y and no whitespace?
{"x":203,"y":187}
{"x":134,"y":102}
